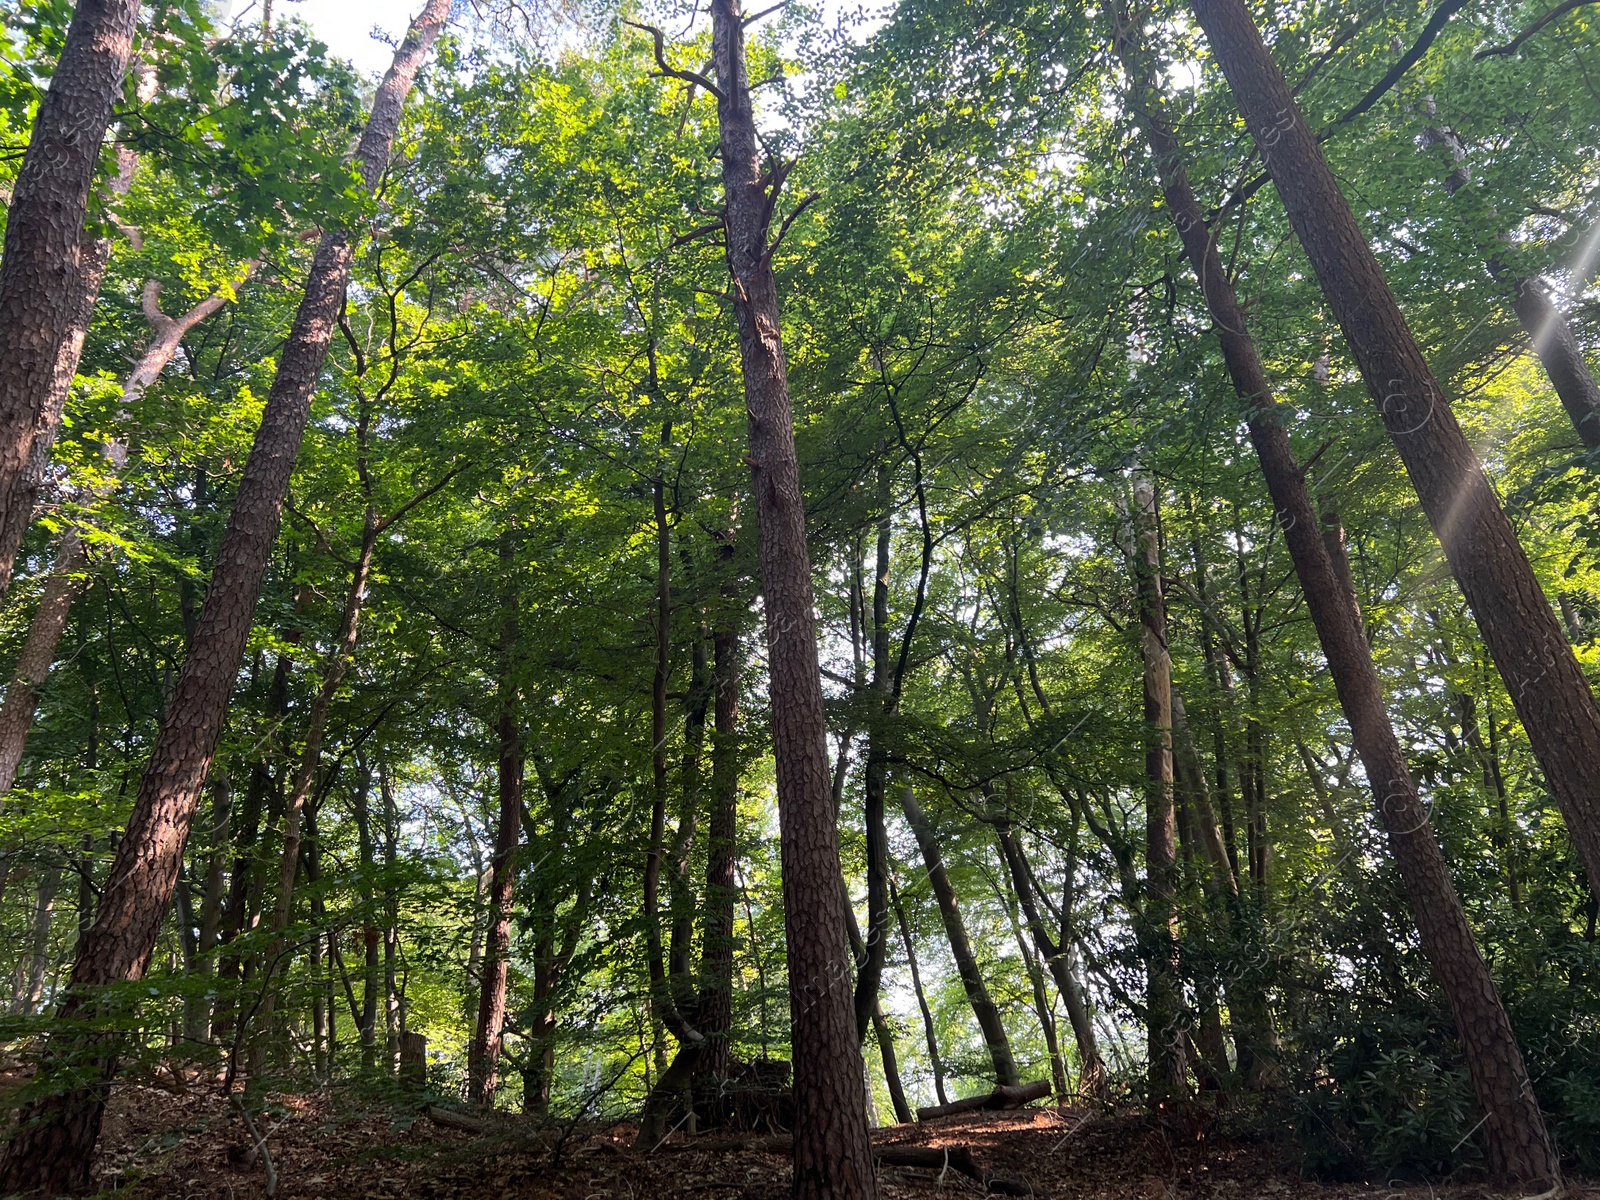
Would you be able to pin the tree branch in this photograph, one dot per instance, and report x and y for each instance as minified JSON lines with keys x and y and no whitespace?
{"x":672,"y":72}
{"x":1555,"y":14}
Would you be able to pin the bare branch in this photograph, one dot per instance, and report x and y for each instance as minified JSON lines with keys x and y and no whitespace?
{"x":667,"y":69}
{"x":789,"y":220}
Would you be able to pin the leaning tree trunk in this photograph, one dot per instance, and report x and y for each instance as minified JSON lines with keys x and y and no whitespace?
{"x":869,"y":969}
{"x":1562,"y":358}
{"x":1519,"y":1147}
{"x":305,"y":775}
{"x":1056,"y":958}
{"x":832,"y":1154}
{"x":983,"y":1006}
{"x":52,"y":1147}
{"x":483,"y":1062}
{"x":929,"y":1031}
{"x":1548,"y":686}
{"x":1545,"y":324}
{"x":45,"y":266}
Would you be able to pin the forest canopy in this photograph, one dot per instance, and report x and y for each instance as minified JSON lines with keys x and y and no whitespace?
{"x":751,"y":573}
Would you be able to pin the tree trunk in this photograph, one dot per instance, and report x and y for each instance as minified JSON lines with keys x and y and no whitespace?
{"x":372,"y":962}
{"x":715,"y":1008}
{"x":662,"y":1002}
{"x":832,"y":1154}
{"x":928,"y":1028}
{"x":869,"y":968}
{"x":31,"y":966}
{"x":1548,"y":686}
{"x":66,"y":578}
{"x":983,"y":1008}
{"x":51,"y":1150}
{"x":1158,"y":915}
{"x":1562,"y":358}
{"x":305,"y":776}
{"x":1055,"y":956}
{"x":45,"y":284}
{"x":483,"y":1063}
{"x":49,"y":621}
{"x":881,"y":1030}
{"x":1519,"y":1147}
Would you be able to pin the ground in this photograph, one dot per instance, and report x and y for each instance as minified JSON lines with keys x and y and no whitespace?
{"x":188,"y":1143}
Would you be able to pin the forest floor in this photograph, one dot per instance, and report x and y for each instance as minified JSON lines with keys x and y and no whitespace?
{"x":188,"y":1143}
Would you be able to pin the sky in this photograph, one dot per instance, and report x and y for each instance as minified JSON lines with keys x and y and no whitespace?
{"x":346,"y":25}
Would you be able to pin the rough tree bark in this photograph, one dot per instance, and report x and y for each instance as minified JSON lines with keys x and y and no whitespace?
{"x":1546,"y":683}
{"x":45,"y":267}
{"x":483,"y":1062}
{"x":53,"y":1143}
{"x":832,"y":1153}
{"x":1519,"y":1147}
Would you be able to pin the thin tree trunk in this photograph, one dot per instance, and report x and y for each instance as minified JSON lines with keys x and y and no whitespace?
{"x":1519,"y":1147}
{"x":49,"y":621}
{"x":715,"y":1007}
{"x":31,"y":967}
{"x":483,"y":1063}
{"x":305,"y":776}
{"x":51,"y":1150}
{"x":983,"y":1007}
{"x":881,"y":1031}
{"x":214,"y":893}
{"x":1158,"y":915}
{"x":372,"y":963}
{"x":869,"y":966}
{"x":1055,"y":957}
{"x":832,"y":1154}
{"x":45,"y":269}
{"x":928,"y":1028}
{"x":1546,"y":682}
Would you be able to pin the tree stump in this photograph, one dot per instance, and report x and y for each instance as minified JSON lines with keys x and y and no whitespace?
{"x":413,"y":1060}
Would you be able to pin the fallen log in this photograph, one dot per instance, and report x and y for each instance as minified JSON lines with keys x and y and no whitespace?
{"x":949,"y":1158}
{"x":1003,"y":1096}
{"x":454,"y":1120}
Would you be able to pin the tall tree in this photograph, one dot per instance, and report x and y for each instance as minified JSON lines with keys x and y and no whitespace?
{"x":51,"y":1148}
{"x":1164,"y":996}
{"x":1520,"y":1148}
{"x":488,"y":1035}
{"x":45,"y":268}
{"x":1547,"y":685}
{"x":832,"y":1156}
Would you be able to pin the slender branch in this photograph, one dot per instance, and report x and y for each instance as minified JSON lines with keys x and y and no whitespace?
{"x":789,"y":220}
{"x":1430,"y":31}
{"x":672,"y":72}
{"x":1555,"y":14}
{"x":419,"y":498}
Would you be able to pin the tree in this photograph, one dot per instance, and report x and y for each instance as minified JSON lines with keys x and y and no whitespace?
{"x":1519,"y":1146}
{"x":1547,"y":685}
{"x":51,"y":1149}
{"x":831,"y":1153}
{"x":46,"y":272}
